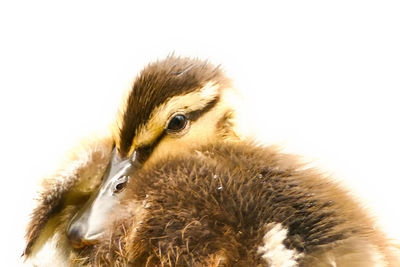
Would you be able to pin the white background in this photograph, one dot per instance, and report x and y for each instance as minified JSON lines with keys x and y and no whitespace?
{"x":321,"y":79}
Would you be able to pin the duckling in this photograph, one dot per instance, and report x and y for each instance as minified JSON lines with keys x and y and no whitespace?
{"x":176,"y":185}
{"x":175,"y":105}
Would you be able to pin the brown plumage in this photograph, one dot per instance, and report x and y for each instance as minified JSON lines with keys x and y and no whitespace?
{"x":197,"y":194}
{"x":213,"y":208}
{"x":67,"y":190}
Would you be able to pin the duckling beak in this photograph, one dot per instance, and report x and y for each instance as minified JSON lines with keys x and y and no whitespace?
{"x":89,"y":224}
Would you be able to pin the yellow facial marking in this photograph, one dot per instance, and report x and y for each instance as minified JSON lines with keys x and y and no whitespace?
{"x":202,"y":131}
{"x":160,"y":116}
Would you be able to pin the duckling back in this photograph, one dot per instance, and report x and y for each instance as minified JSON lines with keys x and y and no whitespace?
{"x":236,"y":204}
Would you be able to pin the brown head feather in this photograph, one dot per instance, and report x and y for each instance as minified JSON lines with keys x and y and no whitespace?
{"x":157,"y":83}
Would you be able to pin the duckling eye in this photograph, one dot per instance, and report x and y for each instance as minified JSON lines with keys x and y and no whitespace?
{"x":120,"y":184}
{"x":177,"y":123}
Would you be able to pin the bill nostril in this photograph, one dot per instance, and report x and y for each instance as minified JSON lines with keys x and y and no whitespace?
{"x":75,"y":236}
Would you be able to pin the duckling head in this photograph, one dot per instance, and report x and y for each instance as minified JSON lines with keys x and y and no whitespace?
{"x":174,"y":106}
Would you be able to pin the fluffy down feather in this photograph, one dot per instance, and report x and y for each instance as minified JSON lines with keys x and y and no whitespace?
{"x":214,"y":207}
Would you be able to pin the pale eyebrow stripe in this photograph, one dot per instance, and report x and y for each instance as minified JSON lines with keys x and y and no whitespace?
{"x":192,"y":101}
{"x":195,"y":114}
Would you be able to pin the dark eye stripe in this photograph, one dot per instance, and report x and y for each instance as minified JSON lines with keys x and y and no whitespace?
{"x":144,"y":152}
{"x":195,"y":114}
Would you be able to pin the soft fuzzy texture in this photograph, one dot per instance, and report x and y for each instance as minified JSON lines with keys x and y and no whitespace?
{"x":63,"y":193}
{"x":214,"y":208}
{"x":202,"y":197}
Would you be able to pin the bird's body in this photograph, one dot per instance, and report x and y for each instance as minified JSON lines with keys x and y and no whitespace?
{"x":176,"y":186}
{"x":237,"y":204}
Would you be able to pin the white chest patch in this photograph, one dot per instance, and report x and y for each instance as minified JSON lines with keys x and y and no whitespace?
{"x":52,"y":253}
{"x":273,"y":251}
